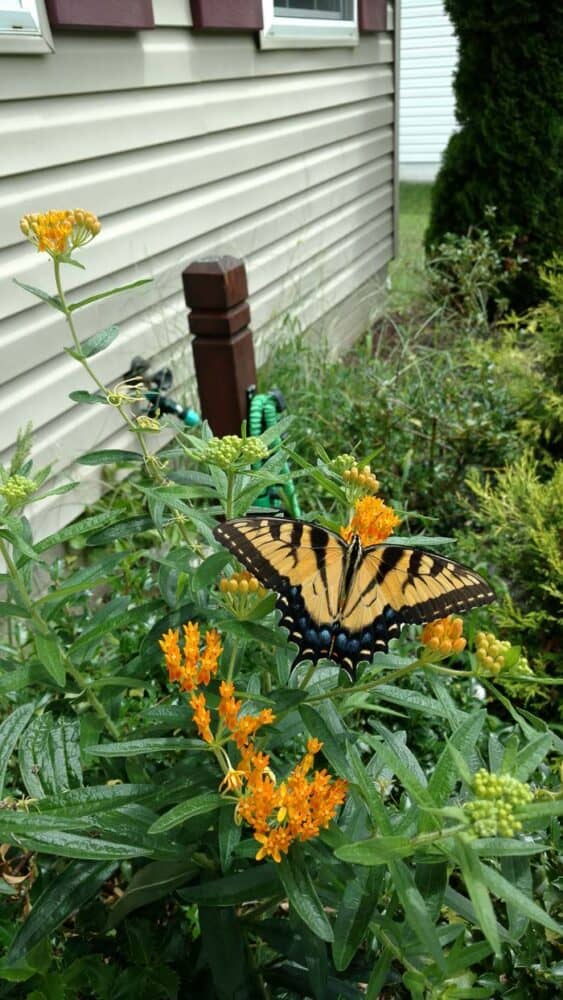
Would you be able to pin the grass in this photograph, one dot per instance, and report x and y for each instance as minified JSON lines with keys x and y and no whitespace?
{"x":405,"y":272}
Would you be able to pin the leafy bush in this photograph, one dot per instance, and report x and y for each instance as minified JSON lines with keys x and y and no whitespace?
{"x":520,"y":519}
{"x":507,"y":153}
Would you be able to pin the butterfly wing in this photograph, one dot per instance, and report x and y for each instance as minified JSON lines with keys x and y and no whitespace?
{"x":304,"y":563}
{"x":395,"y":586}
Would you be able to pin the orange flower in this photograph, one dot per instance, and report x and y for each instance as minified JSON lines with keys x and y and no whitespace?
{"x":297,"y":809}
{"x":201,"y":717}
{"x":444,"y":636}
{"x":373,"y":521}
{"x":248,"y":725}
{"x":58,"y":232}
{"x":229,"y":707}
{"x":193,"y":667}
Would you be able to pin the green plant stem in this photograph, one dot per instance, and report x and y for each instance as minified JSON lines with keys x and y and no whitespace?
{"x":81,"y":680}
{"x":230,"y":492}
{"x":87,"y":367}
{"x":394,"y":675}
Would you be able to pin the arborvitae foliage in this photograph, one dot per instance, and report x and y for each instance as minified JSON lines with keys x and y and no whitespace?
{"x":507,"y":154}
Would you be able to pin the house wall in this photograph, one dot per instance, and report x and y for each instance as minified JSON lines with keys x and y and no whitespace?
{"x":185,"y":144}
{"x":427,"y":105}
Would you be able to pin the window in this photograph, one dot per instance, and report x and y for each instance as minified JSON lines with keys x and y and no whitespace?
{"x":24,"y":28}
{"x":309,"y":23}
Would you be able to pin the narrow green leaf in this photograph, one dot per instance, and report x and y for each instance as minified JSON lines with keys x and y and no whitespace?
{"x":531,"y":756}
{"x":123,"y":529}
{"x":74,"y":845}
{"x":50,"y":656}
{"x":379,"y":975}
{"x":299,"y":886}
{"x":258,"y":882}
{"x":473,"y":872}
{"x":445,"y":773}
{"x":10,"y":732}
{"x":105,"y":295}
{"x":370,"y":794}
{"x":229,"y":834}
{"x":199,"y":805}
{"x":224,"y":951}
{"x":110,"y":456}
{"x":65,"y":894}
{"x":98,"y":341}
{"x":49,"y":758}
{"x":500,"y":887}
{"x":10,"y":610}
{"x":155,"y":881}
{"x":157,"y":744}
{"x":376,"y":850}
{"x":79,"y":527}
{"x":540,"y":809}
{"x":506,"y":847}
{"x":89,"y":800}
{"x":353,"y":917}
{"x":17,"y":680}
{"x":81,"y":396}
{"x":518,"y":871}
{"x":52,"y":300}
{"x":416,"y":911}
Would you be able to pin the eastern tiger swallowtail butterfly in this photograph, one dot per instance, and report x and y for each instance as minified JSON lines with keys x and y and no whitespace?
{"x":341,"y":601}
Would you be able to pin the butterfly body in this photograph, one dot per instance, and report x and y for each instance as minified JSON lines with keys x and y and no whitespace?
{"x":339,"y":600}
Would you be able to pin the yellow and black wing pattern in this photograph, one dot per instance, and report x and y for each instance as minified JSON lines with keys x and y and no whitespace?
{"x":339,"y":601}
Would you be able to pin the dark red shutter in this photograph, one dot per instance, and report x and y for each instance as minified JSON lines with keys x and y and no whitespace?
{"x":245,"y":15}
{"x":127,"y":15}
{"x":372,"y":15}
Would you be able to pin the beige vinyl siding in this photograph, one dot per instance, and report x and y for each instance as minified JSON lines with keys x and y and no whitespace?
{"x":427,"y":104}
{"x":185,"y":144}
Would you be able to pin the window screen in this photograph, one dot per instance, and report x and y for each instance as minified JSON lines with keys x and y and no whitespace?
{"x":338,"y":10}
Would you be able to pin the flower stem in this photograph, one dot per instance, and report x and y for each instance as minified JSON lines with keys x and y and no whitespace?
{"x":394,"y":675}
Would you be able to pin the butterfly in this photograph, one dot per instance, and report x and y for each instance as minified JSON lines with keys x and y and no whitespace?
{"x":341,"y":601}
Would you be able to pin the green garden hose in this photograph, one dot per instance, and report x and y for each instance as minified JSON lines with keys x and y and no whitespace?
{"x":263,"y":413}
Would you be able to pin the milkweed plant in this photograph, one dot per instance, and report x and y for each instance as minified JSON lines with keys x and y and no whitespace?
{"x":171,"y":787}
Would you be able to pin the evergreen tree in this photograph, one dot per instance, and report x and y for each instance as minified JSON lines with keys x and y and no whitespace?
{"x":507,"y":153}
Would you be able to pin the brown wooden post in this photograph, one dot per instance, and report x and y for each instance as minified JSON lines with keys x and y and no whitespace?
{"x":216,"y":290}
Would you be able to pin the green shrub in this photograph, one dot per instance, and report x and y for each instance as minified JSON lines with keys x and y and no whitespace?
{"x":507,"y":154}
{"x":520,"y":521}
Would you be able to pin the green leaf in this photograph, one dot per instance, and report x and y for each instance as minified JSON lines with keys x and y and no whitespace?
{"x":17,"y":680}
{"x":503,"y":889}
{"x":393,"y":752}
{"x":258,"y":882}
{"x":92,"y":799}
{"x":224,"y":951}
{"x":79,"y":527}
{"x":156,"y":744}
{"x":53,"y":300}
{"x":96,"y":343}
{"x":123,"y":529}
{"x":229,"y":834}
{"x":81,"y":396}
{"x":473,"y":872}
{"x":416,"y":911}
{"x":110,"y":456}
{"x":300,"y":888}
{"x":379,"y":974}
{"x":353,"y":917}
{"x":50,"y":655}
{"x":199,"y":805}
{"x":10,"y":732}
{"x":62,"y":896}
{"x":105,"y":295}
{"x":412,"y":700}
{"x":10,"y":610}
{"x":49,"y":758}
{"x":463,"y":740}
{"x":531,"y":756}
{"x":506,"y":847}
{"x":73,"y":845}
{"x":208,"y":571}
{"x":370,"y":794}
{"x":155,"y":881}
{"x":540,"y":809}
{"x":376,"y":850}
{"x":518,"y":871}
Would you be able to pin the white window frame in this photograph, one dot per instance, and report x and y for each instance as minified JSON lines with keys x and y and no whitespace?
{"x":307,"y":32}
{"x":21,"y":41}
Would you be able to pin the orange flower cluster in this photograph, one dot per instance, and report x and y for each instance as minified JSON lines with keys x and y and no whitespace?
{"x":57,"y":232}
{"x":444,"y":636}
{"x":193,"y":667}
{"x":373,"y":521}
{"x":300,"y":806}
{"x":297,"y":809}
